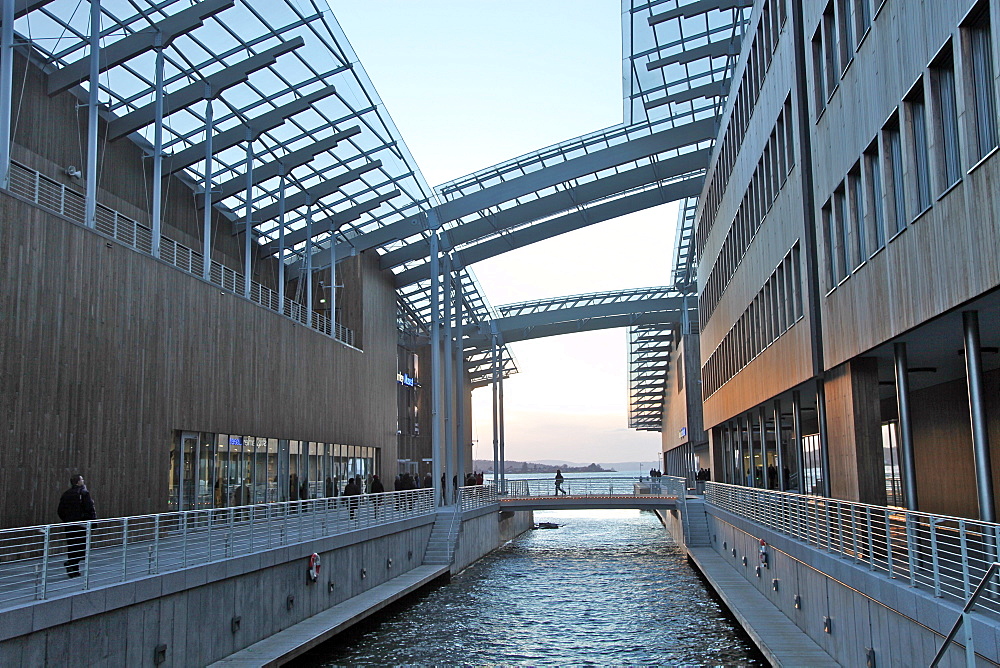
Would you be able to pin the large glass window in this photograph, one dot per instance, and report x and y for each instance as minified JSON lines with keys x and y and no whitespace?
{"x":876,"y":206}
{"x":946,"y":118}
{"x":921,"y":157}
{"x":894,"y":173}
{"x":979,"y":45}
{"x":859,"y":247}
{"x":819,"y":76}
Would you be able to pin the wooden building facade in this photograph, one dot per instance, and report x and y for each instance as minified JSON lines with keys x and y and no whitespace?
{"x":846,"y":241}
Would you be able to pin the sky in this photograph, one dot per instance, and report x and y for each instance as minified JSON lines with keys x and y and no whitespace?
{"x":471,"y":83}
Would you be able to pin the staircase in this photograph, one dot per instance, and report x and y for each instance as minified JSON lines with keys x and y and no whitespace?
{"x":441,"y":544}
{"x":696,"y":532}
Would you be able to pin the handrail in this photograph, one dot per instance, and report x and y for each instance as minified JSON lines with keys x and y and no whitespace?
{"x":963,"y":618}
{"x":943,"y":555}
{"x":124,"y":549}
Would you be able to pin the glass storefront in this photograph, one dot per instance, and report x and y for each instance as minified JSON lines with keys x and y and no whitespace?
{"x":222,"y":470}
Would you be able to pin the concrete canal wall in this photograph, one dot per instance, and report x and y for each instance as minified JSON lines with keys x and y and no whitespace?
{"x":804,"y":599}
{"x":207,"y":613}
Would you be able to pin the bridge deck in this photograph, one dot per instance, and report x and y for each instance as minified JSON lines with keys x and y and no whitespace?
{"x":589,"y":502}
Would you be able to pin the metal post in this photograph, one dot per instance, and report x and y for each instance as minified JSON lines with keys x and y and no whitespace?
{"x":90,"y":217}
{"x":764,"y":477}
{"x":449,"y":384}
{"x":977,"y":412}
{"x":308,"y":270}
{"x":158,"y":148}
{"x":6,"y":91}
{"x":333,"y":285}
{"x":503,"y":459}
{"x":797,"y":434}
{"x":741,"y":478}
{"x":496,"y":421}
{"x":432,"y":222}
{"x":460,"y":380}
{"x":248,"y":230}
{"x":909,"y":472}
{"x":206,"y":247}
{"x":824,"y":436}
{"x":281,"y":239}
{"x":777,"y":445}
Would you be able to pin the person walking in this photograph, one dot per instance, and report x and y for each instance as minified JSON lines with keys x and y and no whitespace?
{"x":376,"y":487}
{"x":559,"y":482}
{"x":76,"y":505}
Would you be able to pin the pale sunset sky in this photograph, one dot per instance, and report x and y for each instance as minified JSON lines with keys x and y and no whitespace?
{"x":470,"y":83}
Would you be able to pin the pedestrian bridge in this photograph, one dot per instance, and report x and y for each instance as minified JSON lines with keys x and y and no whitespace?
{"x":591,"y":493}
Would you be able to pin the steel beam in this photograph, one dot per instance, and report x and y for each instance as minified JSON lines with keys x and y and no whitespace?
{"x":185,"y":97}
{"x":710,"y":50}
{"x":696,"y":9}
{"x":137,"y":43}
{"x":326,"y":186}
{"x":267,"y":121}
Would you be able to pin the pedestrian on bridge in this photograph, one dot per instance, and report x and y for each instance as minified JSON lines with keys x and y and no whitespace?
{"x":559,"y":482}
{"x":76,"y":505}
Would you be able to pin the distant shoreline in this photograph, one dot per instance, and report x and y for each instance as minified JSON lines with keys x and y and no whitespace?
{"x":534,"y":467}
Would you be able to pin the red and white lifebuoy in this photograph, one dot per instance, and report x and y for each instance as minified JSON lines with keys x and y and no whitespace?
{"x":314,"y":565}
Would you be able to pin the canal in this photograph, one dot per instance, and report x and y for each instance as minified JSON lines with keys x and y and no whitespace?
{"x":605,"y":588}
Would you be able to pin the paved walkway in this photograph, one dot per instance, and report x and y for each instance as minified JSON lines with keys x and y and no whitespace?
{"x":296,"y":640}
{"x":780,"y":640}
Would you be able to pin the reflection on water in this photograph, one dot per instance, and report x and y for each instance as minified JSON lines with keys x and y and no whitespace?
{"x":607,"y":588}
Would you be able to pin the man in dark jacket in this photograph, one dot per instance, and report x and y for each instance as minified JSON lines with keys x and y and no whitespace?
{"x":76,"y":505}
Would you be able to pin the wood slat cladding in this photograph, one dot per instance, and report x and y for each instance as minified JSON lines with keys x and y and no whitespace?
{"x":853,"y":418}
{"x":107,"y":352}
{"x":942,"y":438}
{"x":946,"y":254}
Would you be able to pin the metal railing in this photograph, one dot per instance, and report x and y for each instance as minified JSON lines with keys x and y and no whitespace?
{"x":943,"y":555}
{"x":66,"y":201}
{"x":129,"y":548}
{"x":476,"y":496}
{"x":965,"y":623}
{"x":591,"y":486}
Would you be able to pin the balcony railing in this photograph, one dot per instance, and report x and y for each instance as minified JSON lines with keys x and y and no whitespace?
{"x":946,"y":556}
{"x":54,"y":196}
{"x":124,"y":549}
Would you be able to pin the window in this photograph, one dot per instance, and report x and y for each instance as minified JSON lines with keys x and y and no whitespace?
{"x":874,"y":195}
{"x":946,"y":125}
{"x":921,"y":159}
{"x":830,"y":49}
{"x":819,"y":78}
{"x":862,"y":17}
{"x":797,"y":281}
{"x":790,"y":137}
{"x":830,"y":237}
{"x":979,"y":47}
{"x":845,"y":33}
{"x":894,"y":173}
{"x":857,"y":205}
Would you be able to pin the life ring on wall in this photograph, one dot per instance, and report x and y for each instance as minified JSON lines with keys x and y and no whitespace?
{"x":314,"y":565}
{"x":763,"y":553}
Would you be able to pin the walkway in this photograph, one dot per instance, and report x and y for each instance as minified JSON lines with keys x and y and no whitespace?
{"x":296,"y":640}
{"x":589,"y":493}
{"x":779,"y":639}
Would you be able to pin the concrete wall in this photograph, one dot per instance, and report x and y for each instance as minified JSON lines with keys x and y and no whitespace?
{"x":192,"y":612}
{"x":904,"y":626}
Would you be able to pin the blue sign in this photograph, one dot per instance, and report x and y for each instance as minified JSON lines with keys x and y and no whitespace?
{"x":235,"y":440}
{"x":405,"y":379}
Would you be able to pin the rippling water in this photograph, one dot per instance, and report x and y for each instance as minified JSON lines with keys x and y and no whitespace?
{"x":607,"y":588}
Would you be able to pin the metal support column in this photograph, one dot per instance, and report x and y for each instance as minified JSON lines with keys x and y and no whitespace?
{"x":157,"y":213}
{"x":206,"y":244}
{"x":906,"y":455}
{"x":824,"y":435}
{"x":432,"y":223}
{"x":496,"y":420}
{"x":503,"y":458}
{"x":797,"y":435}
{"x":281,"y":236}
{"x":741,"y":478}
{"x":780,"y":467}
{"x":333,"y":284}
{"x":6,"y":89}
{"x":248,"y":229}
{"x":307,"y":264}
{"x":90,"y":216}
{"x":459,"y":380}
{"x":977,"y":413}
{"x":449,"y":384}
{"x":765,"y":481}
